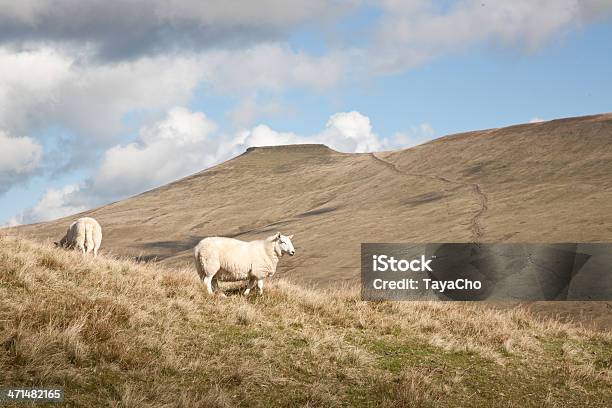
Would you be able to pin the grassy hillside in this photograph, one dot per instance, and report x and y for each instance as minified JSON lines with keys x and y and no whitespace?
{"x":117,"y":333}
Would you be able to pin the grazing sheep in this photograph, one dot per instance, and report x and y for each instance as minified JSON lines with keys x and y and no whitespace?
{"x":84,"y":234}
{"x":228,"y":259}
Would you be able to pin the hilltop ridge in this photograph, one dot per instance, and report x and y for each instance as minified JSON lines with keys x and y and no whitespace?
{"x":301,"y":147}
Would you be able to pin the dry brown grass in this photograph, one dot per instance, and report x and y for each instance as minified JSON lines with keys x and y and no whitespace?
{"x":117,"y":333}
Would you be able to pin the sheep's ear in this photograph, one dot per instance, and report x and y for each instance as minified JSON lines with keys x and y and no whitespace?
{"x":274,"y":237}
{"x":290,"y":236}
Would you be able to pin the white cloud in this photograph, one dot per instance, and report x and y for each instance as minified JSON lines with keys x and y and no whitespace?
{"x":48,"y":87}
{"x":44,"y":87}
{"x":123,"y":30}
{"x":413,"y":136}
{"x":19,"y":158}
{"x":18,"y":154}
{"x":55,"y":203}
{"x":271,"y":66}
{"x":263,"y":135}
{"x":28,"y":83}
{"x":12,"y":222}
{"x":410,"y":33}
{"x":537,"y":120}
{"x":349,"y":132}
{"x":169,"y":149}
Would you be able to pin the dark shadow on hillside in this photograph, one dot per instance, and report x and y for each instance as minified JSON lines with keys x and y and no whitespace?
{"x":150,"y":258}
{"x":318,"y":211}
{"x":422,"y":199}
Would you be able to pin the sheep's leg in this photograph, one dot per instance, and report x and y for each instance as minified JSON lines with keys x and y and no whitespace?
{"x":79,"y":242}
{"x":215,"y":286}
{"x":207,"y":269}
{"x":208,"y":283}
{"x":250,"y":285}
{"x":260,"y":286}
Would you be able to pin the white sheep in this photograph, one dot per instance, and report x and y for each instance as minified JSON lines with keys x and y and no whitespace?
{"x":229,"y":259}
{"x":84,"y":234}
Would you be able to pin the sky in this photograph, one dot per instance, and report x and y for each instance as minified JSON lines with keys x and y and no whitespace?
{"x":105,"y":99}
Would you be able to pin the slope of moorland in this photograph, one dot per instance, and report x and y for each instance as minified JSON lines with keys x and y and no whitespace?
{"x":541,"y":182}
{"x":117,"y":333}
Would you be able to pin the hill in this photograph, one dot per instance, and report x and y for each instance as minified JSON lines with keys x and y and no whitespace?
{"x":117,"y":333}
{"x":540,"y":182}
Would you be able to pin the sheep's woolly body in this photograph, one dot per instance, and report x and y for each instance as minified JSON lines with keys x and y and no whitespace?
{"x":236,"y":260}
{"x":84,"y":234}
{"x":228,"y":259}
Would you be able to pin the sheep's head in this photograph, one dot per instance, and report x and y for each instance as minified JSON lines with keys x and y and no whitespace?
{"x":282,"y":244}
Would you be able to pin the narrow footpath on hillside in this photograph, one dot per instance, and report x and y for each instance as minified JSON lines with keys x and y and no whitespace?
{"x":476,"y":228}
